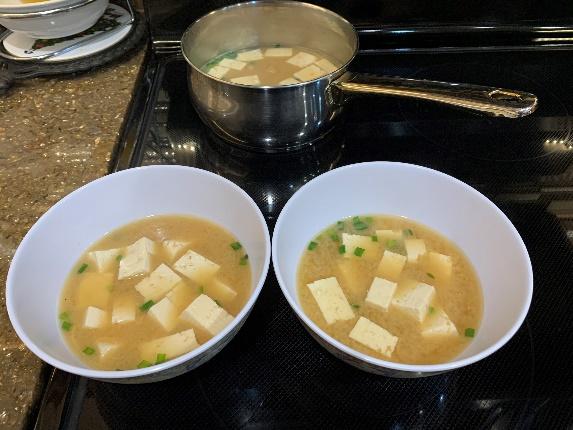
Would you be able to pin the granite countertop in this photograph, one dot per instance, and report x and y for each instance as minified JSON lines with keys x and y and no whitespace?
{"x":56,"y":134}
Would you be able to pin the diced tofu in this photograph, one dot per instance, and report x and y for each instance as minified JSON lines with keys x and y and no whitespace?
{"x":439,"y":265}
{"x":416,"y":301}
{"x":278,"y":52}
{"x":106,"y":348}
{"x":105,"y":260}
{"x":174,"y":247}
{"x":123,"y":310}
{"x":252,"y":55}
{"x":172,"y":346}
{"x":289,"y":81}
{"x":207,"y":315}
{"x":232,"y":64}
{"x":354,"y":278}
{"x":386,"y":235}
{"x":165,"y":313}
{"x":247,"y":80}
{"x":221,"y":291}
{"x":196,"y":267}
{"x":373,"y":336}
{"x":353,"y":241}
{"x":380,"y":293}
{"x":302,"y":59}
{"x":94,"y":289}
{"x":137,"y":259}
{"x":391,"y":265}
{"x":331,"y":300}
{"x":439,"y":324}
{"x":414,"y":249}
{"x":326,"y":65}
{"x":95,"y":318}
{"x":159,"y":283}
{"x":182,"y":295}
{"x":218,"y":71}
{"x":309,"y":73}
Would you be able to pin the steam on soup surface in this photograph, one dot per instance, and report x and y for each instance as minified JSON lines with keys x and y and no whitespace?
{"x":271,"y":66}
{"x":391,"y":288}
{"x":153,"y":290}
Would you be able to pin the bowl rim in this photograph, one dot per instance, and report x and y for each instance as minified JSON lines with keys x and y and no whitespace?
{"x":136,"y":373}
{"x":377,"y":362}
{"x":38,"y":6}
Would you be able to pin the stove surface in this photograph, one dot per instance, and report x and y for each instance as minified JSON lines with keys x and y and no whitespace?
{"x":273,"y":374}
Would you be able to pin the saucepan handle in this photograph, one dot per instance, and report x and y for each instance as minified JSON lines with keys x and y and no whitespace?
{"x":489,"y":100}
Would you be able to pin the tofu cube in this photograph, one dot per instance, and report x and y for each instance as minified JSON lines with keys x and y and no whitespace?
{"x":353,"y":241}
{"x":221,"y":291}
{"x":159,"y":283}
{"x":381,"y":293}
{"x":232,"y":64}
{"x":331,"y":300}
{"x":196,"y":267}
{"x":278,"y":52}
{"x":414,"y":249}
{"x":123,"y":310}
{"x":218,"y":71}
{"x":439,"y":265}
{"x":439,"y":324}
{"x":106,"y":348}
{"x":172,"y":346}
{"x":309,"y":73}
{"x":302,"y":59}
{"x":354,"y":277}
{"x":94,"y":289}
{"x":95,"y":318}
{"x":416,"y":301}
{"x":165,"y":313}
{"x":105,"y":260}
{"x":289,"y":81}
{"x":374,"y":337}
{"x":182,"y":295}
{"x":386,"y":235}
{"x":326,"y":65}
{"x":247,"y":80}
{"x":391,"y":265}
{"x":207,"y":315}
{"x":137,"y":260}
{"x":173,"y":248}
{"x":251,"y":55}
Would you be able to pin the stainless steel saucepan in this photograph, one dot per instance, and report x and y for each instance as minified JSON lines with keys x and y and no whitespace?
{"x":286,"y":117}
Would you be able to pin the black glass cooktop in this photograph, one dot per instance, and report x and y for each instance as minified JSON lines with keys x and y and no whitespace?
{"x":273,"y":374}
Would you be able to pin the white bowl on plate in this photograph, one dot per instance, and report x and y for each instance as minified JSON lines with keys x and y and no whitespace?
{"x":435,"y":199}
{"x":35,"y":21}
{"x":46,"y":255}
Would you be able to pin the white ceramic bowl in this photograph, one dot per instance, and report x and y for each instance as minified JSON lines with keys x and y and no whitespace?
{"x":444,"y":203}
{"x":31,"y":19}
{"x":47,"y":253}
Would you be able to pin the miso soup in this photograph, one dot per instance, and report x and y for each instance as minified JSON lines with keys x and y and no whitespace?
{"x":153,"y":290}
{"x":391,"y":288}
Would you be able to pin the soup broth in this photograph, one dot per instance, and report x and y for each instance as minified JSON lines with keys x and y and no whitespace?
{"x":391,"y":288}
{"x":271,"y":66}
{"x":152,"y":290}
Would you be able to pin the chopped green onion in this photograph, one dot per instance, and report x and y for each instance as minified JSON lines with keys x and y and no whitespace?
{"x":119,"y":257}
{"x":201,"y":289}
{"x":244,"y":260}
{"x":360,"y":226}
{"x":277,"y":45}
{"x":355,"y":306}
{"x":342,"y":249}
{"x":236,"y":246}
{"x":160,"y":358}
{"x":408,"y":232}
{"x":64,"y":316}
{"x":229,"y":54}
{"x":391,"y":244}
{"x":218,"y":304}
{"x":430,"y":275}
{"x":147,"y":305}
{"x":368,"y":219}
{"x":356,"y":220}
{"x":470,"y":332}
{"x":374,"y":238}
{"x":66,"y":325}
{"x":143,"y":363}
{"x":88,"y":350}
{"x":312,"y":245}
{"x":335,"y":237}
{"x":83,"y":268}
{"x":340,"y":225}
{"x":359,"y":251}
{"x":431,"y":310}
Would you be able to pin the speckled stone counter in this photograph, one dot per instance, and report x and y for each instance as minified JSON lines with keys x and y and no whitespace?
{"x":56,"y":134}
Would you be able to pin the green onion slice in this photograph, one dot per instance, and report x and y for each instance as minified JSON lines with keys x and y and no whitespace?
{"x":470,"y":332}
{"x":88,"y":350}
{"x":359,"y":251}
{"x":312,"y":245}
{"x":430,"y":275}
{"x":161,"y":358}
{"x":374,"y":238}
{"x":236,"y":246}
{"x":83,"y":268}
{"x":66,"y":325}
{"x":147,"y":305}
{"x":244,"y":260}
{"x":143,"y":363}
{"x":342,"y":249}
